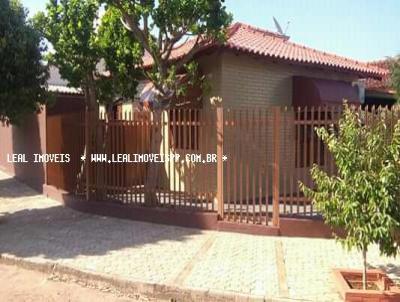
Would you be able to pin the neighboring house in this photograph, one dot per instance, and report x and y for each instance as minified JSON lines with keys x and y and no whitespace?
{"x":41,"y":133}
{"x":380,"y":92}
{"x":67,"y":99}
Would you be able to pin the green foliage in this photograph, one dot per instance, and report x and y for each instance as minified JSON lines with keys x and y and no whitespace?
{"x":69,"y":25}
{"x":395,"y":75}
{"x":363,"y":198}
{"x":22,"y":74}
{"x":198,"y":17}
{"x":82,"y":42}
{"x":160,"y":26}
{"x":121,"y":54}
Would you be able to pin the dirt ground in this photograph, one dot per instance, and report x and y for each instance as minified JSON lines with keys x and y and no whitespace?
{"x":17,"y":285}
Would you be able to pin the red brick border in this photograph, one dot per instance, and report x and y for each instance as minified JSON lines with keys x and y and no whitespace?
{"x":180,"y":217}
{"x":291,"y":227}
{"x":390,"y":294}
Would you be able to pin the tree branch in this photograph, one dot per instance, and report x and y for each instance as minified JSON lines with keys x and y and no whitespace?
{"x":189,"y":56}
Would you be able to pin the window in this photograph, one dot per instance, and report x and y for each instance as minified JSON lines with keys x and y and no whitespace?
{"x":184,"y":127}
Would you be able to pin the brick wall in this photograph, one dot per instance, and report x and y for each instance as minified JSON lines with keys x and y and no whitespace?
{"x":27,"y":138}
{"x":199,"y":177}
{"x":259,"y":82}
{"x":246,"y":82}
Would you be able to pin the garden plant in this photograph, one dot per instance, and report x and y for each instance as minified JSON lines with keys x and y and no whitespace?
{"x":363,"y":197}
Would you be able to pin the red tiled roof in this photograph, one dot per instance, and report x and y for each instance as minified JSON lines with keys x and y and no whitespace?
{"x":252,"y":40}
{"x":176,"y":53}
{"x":382,"y":85}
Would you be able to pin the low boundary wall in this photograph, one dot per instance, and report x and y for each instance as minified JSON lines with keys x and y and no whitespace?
{"x":291,"y":227}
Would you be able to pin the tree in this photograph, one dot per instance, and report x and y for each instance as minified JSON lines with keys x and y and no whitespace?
{"x":120,"y":54}
{"x":22,"y":74}
{"x":96,"y":55}
{"x":395,"y":75}
{"x":363,"y":198}
{"x":82,"y":42}
{"x":160,"y":26}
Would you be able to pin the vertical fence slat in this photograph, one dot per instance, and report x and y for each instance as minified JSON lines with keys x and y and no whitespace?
{"x":284,"y":164}
{"x":298,"y":158}
{"x":253,"y":181}
{"x":240,"y":154}
{"x":304,"y":150}
{"x":220,"y":164}
{"x":174,"y":145}
{"x":276,"y":178}
{"x":201,"y":168}
{"x":189,"y":164}
{"x":267,"y":168}
{"x":227,"y":116}
{"x":233,"y":148}
{"x":260,"y":191}
{"x":293,"y":156}
{"x":312,"y":155}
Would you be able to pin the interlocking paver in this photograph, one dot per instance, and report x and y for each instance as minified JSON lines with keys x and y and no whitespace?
{"x":240,"y":263}
{"x":309,"y":266}
{"x":39,"y":229}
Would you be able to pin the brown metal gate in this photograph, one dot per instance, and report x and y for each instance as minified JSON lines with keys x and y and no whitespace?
{"x":65,"y":135}
{"x":168,"y":134}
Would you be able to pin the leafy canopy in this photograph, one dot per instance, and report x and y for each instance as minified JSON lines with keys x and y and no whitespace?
{"x":22,"y":74}
{"x":120,"y":54}
{"x":163,"y":25}
{"x":90,"y":52}
{"x":363,"y":198}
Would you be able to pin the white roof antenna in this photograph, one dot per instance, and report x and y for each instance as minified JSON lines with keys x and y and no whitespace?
{"x":279,"y":28}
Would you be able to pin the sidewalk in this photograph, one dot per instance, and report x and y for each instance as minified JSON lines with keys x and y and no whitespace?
{"x":168,"y":261}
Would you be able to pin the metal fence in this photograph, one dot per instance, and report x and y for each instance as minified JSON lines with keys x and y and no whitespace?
{"x":244,"y":163}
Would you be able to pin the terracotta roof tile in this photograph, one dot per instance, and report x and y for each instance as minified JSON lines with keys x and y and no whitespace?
{"x":253,"y":40}
{"x":382,"y":85}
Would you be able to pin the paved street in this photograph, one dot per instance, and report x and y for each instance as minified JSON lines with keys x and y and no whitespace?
{"x":21,"y":285}
{"x":40,"y":230}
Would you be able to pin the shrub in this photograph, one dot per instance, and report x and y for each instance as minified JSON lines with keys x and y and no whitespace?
{"x":362,"y":198}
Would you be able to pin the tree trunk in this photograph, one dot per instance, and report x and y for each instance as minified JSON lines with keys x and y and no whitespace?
{"x":97,"y":139}
{"x":364,"y":276}
{"x":91,"y":112}
{"x":85,"y":163}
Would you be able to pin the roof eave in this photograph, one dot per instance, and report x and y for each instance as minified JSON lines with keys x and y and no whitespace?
{"x":360,"y":73}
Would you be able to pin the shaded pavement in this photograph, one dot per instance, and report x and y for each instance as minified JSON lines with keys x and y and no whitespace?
{"x":40,"y":230}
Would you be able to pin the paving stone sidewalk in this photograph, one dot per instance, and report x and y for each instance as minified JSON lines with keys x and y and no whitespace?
{"x":40,"y":230}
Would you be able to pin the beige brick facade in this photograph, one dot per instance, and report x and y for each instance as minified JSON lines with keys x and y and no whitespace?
{"x":245,"y":84}
{"x":247,"y":81}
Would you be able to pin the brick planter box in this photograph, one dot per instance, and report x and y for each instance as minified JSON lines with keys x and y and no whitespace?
{"x":385,"y":291}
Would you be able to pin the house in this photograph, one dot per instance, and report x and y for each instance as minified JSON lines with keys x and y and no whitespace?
{"x":256,"y":68}
{"x":67,"y":99}
{"x":268,"y":150}
{"x":379,"y":92}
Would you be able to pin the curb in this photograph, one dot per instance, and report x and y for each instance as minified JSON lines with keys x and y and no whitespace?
{"x":134,"y":288}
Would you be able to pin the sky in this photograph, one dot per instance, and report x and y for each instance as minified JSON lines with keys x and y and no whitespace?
{"x":365,"y":30}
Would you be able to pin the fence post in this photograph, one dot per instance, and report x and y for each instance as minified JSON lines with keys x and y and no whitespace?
{"x":276,"y":167}
{"x":220,"y":164}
